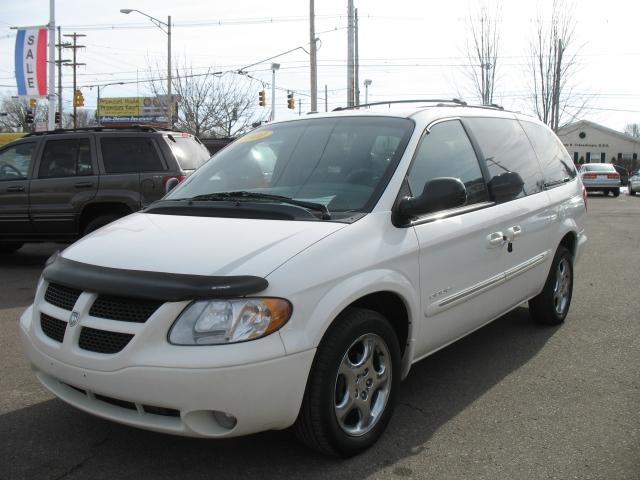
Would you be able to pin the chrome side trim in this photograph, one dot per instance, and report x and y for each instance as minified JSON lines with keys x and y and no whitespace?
{"x":478,"y":288}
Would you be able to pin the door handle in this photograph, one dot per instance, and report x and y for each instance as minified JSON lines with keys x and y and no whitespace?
{"x":83,"y":185}
{"x":15,"y":188}
{"x":495,"y":239}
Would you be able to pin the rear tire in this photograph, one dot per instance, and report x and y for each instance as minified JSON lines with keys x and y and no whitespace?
{"x":605,"y":193}
{"x":352,"y":385}
{"x":551,"y":306}
{"x":99,"y":222}
{"x":10,"y":247}
{"x":616,"y":192}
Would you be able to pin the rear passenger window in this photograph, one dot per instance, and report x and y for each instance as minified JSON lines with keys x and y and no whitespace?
{"x":129,"y":155}
{"x":447,"y":152}
{"x":507,"y":149}
{"x":66,"y":158}
{"x":557,"y":166}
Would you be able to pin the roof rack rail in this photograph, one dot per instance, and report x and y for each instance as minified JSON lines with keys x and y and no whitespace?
{"x":455,"y":101}
{"x":130,"y":128}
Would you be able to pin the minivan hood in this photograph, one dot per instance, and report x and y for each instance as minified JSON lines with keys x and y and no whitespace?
{"x":198,"y":245}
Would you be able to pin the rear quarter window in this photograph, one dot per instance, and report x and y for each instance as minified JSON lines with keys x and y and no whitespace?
{"x":557,"y":166}
{"x":187,"y":150}
{"x":130,"y":155}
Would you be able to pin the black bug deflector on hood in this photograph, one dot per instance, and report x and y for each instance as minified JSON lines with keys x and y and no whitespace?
{"x":168,"y":287}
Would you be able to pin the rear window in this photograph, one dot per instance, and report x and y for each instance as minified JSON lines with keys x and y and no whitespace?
{"x":598,"y":167}
{"x":189,"y":153}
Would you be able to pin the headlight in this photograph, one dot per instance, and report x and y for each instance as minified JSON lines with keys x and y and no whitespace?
{"x":215,"y":322}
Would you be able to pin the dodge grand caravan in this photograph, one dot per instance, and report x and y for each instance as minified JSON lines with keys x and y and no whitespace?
{"x":317,"y":260}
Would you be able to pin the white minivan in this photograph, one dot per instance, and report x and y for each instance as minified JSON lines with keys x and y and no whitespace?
{"x":295,"y":277}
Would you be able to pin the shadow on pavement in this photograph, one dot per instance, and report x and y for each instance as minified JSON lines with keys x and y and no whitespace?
{"x":54,"y":440}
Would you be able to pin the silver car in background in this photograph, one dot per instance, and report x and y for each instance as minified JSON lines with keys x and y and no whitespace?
{"x":634,"y":182}
{"x":601,"y":177}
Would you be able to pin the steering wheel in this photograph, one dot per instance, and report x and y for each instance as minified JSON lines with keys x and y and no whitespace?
{"x":5,"y":168}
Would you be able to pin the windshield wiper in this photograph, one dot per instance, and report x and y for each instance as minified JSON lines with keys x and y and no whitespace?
{"x":242,"y":195}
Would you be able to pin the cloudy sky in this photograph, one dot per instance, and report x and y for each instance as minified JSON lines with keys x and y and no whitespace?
{"x":408,"y":48}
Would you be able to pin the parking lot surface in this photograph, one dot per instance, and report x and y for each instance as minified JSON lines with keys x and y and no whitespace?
{"x":513,"y":400}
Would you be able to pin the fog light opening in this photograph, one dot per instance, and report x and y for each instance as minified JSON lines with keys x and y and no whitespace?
{"x":225,"y":420}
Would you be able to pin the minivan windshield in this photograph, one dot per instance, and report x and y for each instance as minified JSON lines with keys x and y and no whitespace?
{"x":342,"y":163}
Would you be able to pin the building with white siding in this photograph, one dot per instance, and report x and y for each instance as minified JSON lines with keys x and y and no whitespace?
{"x":588,"y":142}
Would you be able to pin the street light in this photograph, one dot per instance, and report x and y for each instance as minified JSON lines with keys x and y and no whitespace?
{"x":160,"y":24}
{"x":367,"y":82}
{"x":274,"y":67}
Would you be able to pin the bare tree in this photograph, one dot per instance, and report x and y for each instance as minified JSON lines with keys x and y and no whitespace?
{"x":632,"y":129}
{"x":553,"y":66}
{"x":13,"y":112}
{"x":84,"y":118}
{"x":211,"y":104}
{"x":482,"y":51}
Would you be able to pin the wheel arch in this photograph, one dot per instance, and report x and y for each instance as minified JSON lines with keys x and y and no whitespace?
{"x":98,"y":209}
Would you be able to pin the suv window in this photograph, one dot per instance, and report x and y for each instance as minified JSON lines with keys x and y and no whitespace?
{"x":66,"y":158}
{"x":507,"y":149}
{"x":189,"y":152}
{"x":447,"y":152}
{"x":557,"y":166}
{"x":15,"y":161}
{"x":130,"y":155}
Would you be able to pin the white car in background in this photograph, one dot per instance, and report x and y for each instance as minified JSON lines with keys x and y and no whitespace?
{"x":634,"y":182}
{"x":249,"y":300}
{"x":601,"y":177}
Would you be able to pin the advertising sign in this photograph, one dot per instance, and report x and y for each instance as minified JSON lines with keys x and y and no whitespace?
{"x":134,"y":109}
{"x":31,"y":61}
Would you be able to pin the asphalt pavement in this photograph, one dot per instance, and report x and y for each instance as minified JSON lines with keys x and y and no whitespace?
{"x":514,"y":400}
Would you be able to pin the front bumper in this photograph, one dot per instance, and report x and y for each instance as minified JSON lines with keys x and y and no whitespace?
{"x":262,"y":396}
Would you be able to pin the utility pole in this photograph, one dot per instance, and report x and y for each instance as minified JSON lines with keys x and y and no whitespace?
{"x":74,"y":64}
{"x":274,"y":67}
{"x":59,"y":63}
{"x":350,"y":53}
{"x":300,"y":107}
{"x":326,"y":98}
{"x":556,"y":100}
{"x":52,"y":64}
{"x":312,"y":58}
{"x":357,"y":59}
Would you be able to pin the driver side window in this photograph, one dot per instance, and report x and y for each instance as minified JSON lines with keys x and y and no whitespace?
{"x":15,"y":161}
{"x":447,"y":152}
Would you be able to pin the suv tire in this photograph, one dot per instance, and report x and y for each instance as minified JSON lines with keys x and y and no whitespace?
{"x":359,"y":355}
{"x":551,"y":306}
{"x":10,"y":247}
{"x":99,"y":222}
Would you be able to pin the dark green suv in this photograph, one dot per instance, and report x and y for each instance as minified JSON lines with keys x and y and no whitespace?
{"x":63,"y":184}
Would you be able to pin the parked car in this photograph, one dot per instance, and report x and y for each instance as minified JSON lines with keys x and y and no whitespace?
{"x":634,"y":182}
{"x":214,"y":145}
{"x":601,"y":177}
{"x":60,"y":185}
{"x":249,"y":300}
{"x":624,"y":174}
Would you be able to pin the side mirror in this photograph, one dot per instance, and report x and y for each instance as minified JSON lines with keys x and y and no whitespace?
{"x":171,"y":184}
{"x":438,"y":194}
{"x":506,"y":186}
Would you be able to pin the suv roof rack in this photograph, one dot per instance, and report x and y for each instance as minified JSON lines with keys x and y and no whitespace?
{"x":130,"y":128}
{"x":455,"y":101}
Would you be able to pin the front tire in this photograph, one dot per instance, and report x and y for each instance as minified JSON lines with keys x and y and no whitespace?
{"x":352,"y":386}
{"x":551,"y":306}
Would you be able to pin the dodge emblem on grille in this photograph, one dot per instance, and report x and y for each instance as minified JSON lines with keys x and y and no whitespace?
{"x":73,"y":319}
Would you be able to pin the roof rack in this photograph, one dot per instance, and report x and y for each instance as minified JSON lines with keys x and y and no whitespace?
{"x":455,"y":101}
{"x":130,"y":128}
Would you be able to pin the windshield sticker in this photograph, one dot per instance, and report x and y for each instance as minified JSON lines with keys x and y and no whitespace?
{"x":252,"y":137}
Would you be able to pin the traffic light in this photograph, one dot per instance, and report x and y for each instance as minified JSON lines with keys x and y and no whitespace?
{"x":78,"y":99}
{"x":57,"y":118}
{"x":291,"y":102}
{"x":32,"y":103}
{"x":28,"y":118}
{"x":262,"y":98}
